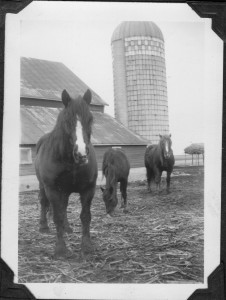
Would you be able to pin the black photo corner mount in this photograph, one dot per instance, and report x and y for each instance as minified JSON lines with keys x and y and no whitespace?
{"x":217,"y":280}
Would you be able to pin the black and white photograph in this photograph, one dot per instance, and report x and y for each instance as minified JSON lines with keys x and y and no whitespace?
{"x":111,"y":181}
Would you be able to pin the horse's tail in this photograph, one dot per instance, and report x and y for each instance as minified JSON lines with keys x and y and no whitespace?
{"x":148,"y":153}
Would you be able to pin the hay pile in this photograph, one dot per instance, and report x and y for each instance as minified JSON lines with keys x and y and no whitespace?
{"x":160,"y":240}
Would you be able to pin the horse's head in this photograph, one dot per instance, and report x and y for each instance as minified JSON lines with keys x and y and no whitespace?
{"x":165,"y":144}
{"x":110,"y":199}
{"x":77,"y":124}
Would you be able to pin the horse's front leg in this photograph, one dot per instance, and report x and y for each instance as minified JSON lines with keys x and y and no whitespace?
{"x":148,"y":174}
{"x":123,"y":190}
{"x":85,"y":216}
{"x":168,"y":181}
{"x":59,"y":202}
{"x":158,"y":175}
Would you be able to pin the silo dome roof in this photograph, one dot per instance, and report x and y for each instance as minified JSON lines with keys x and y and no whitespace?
{"x":136,"y":28}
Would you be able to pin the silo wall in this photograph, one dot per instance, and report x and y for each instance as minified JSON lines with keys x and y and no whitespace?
{"x":139,"y":72}
{"x":146,"y":87}
{"x":119,"y":77}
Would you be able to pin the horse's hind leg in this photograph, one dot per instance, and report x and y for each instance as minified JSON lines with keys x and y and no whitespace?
{"x":148,"y":173}
{"x":67,"y":227}
{"x":45,"y":207}
{"x":123,"y":190}
{"x":85,"y":216}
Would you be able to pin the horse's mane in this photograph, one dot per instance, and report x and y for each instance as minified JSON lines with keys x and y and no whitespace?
{"x":58,"y":140}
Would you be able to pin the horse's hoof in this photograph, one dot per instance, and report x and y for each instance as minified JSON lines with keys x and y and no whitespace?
{"x":126,"y":211}
{"x":68,"y":229}
{"x":122,"y":206}
{"x":44,"y":229}
{"x":87,"y":246}
{"x":60,"y":252}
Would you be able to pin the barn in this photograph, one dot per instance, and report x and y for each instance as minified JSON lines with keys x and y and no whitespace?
{"x":42,"y":82}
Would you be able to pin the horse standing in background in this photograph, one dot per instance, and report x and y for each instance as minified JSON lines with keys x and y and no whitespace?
{"x":66,"y":163}
{"x":159,"y":158}
{"x":115,"y":168}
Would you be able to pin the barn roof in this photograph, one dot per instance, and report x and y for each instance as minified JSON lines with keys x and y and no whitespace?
{"x":44,"y":79}
{"x":36,"y":121}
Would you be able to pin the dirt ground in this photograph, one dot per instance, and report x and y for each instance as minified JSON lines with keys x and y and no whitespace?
{"x":160,"y":240}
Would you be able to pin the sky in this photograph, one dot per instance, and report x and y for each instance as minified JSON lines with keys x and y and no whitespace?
{"x":78,"y":34}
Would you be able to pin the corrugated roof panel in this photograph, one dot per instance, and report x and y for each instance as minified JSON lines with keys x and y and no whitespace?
{"x":30,"y":133}
{"x":36,"y":121}
{"x":45,"y":79}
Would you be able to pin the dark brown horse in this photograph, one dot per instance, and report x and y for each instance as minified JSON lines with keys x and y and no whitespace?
{"x":159,"y":158}
{"x":66,"y":163}
{"x":115,"y":168}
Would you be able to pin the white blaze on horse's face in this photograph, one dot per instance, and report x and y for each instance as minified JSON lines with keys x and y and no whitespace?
{"x":81,"y":146}
{"x":167,"y":149}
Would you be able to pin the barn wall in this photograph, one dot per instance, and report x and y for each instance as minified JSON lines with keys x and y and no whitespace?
{"x":28,"y":169}
{"x":135,"y":155}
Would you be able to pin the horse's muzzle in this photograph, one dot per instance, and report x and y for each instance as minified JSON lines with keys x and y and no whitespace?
{"x":79,"y":158}
{"x":167,"y":155}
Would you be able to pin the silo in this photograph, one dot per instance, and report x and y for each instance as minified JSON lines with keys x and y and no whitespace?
{"x":139,"y":72}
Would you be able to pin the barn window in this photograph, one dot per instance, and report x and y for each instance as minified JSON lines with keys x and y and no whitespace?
{"x":25,"y":156}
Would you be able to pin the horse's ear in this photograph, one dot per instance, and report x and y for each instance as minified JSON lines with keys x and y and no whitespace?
{"x":65,"y":98}
{"x":170,"y":135}
{"x":87,"y":97}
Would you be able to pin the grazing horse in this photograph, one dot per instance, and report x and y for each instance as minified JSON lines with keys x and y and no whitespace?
{"x":66,"y":163}
{"x":159,"y":158}
{"x":115,"y":168}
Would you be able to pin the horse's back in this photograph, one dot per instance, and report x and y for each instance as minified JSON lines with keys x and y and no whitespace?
{"x":118,"y":159}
